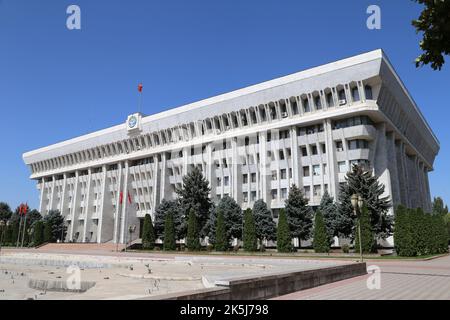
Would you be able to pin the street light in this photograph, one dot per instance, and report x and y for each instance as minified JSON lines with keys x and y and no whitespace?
{"x":357,"y":204}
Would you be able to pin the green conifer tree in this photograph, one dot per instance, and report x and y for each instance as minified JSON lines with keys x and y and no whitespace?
{"x":222,"y":242}
{"x":148,"y":234}
{"x":249,"y":237}
{"x":321,"y":241}
{"x":169,"y":233}
{"x":193,"y":241}
{"x":284,"y":239}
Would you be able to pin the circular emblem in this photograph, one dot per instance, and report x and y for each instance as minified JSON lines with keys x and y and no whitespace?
{"x":132,"y":122}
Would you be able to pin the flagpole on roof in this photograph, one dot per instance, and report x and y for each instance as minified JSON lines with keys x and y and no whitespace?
{"x":140,"y":89}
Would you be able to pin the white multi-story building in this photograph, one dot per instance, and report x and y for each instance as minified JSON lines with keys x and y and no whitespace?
{"x":306,"y":128}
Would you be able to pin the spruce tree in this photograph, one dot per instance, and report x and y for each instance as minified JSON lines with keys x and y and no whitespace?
{"x":193,"y":242}
{"x":232,"y":214}
{"x":194,"y":194}
{"x":439,"y":207}
{"x":299,"y":214}
{"x":265,"y":226}
{"x":284,"y":239}
{"x":249,"y":237}
{"x":38,"y":233}
{"x":321,"y":241}
{"x":169,"y":233}
{"x":148,"y":234}
{"x":365,"y":184}
{"x":221,"y":238}
{"x":173,"y":208}
{"x":328,"y":208}
{"x":367,"y":234}
{"x":5,"y":212}
{"x":48,"y":232}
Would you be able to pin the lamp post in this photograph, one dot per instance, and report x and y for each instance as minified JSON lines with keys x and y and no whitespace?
{"x":131,"y":230}
{"x":357,"y":204}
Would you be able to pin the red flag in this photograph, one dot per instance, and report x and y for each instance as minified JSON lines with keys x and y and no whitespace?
{"x":20,"y":209}
{"x":140,"y":87}
{"x":25,"y":209}
{"x":129,"y":198}
{"x":121,"y":197}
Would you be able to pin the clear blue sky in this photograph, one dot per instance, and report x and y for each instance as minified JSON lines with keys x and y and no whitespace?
{"x":56,"y":84}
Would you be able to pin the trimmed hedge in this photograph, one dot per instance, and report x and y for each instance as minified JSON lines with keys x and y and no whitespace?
{"x":417,"y":233}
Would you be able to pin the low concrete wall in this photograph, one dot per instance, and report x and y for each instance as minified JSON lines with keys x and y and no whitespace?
{"x":269,"y":286}
{"x":59,"y":285}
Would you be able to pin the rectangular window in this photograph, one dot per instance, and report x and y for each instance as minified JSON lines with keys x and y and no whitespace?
{"x":283,"y":174}
{"x":226,"y":181}
{"x":284,"y":193}
{"x":253,"y":177}
{"x":245,"y":196}
{"x":245,"y":178}
{"x":253,"y":196}
{"x":314,"y":150}
{"x":304,"y":151}
{"x":342,"y":166}
{"x":306,"y":171}
{"x":316,"y":170}
{"x":339,"y":146}
{"x":317,"y":191}
{"x":274,"y":194}
{"x":281,"y":153}
{"x":219,"y":182}
{"x":274,"y":176}
{"x":324,"y":148}
{"x":307,"y":192}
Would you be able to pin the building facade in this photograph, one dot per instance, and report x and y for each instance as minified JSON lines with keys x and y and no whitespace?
{"x":307,"y":129}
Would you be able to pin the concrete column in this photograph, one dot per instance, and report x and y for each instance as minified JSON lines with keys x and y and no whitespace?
{"x":125,"y":205}
{"x":235,"y":170}
{"x":102,"y":219}
{"x":333,"y":187}
{"x":63,"y":201}
{"x":392,"y":165}
{"x":296,"y":162}
{"x":41,"y":200}
{"x":87,"y":211}
{"x":263,"y":165}
{"x":381,"y":165}
{"x":74,"y":204}
{"x":118,"y":205}
{"x":156,"y":199}
{"x":52,"y":194}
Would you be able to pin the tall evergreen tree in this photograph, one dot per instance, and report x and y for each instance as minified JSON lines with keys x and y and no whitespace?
{"x":222,"y":241}
{"x":193,"y":242}
{"x":5,"y":212}
{"x":330,"y":215}
{"x":38,"y":233}
{"x":284,"y":239}
{"x":249,"y":237}
{"x":55,"y":221}
{"x":265,"y":226}
{"x":148,"y":234}
{"x":439,"y":207}
{"x":169,"y":233}
{"x":299,"y":214}
{"x":365,"y":184}
{"x":164,"y":208}
{"x":194,"y":194}
{"x":232,"y":214}
{"x":368,"y":237}
{"x":321,"y":240}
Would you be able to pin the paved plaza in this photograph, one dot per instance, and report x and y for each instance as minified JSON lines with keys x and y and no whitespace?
{"x":400,"y":280}
{"x":130,"y":275}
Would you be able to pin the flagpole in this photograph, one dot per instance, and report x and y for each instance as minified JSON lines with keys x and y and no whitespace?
{"x":24,"y":230}
{"x":20,"y":226}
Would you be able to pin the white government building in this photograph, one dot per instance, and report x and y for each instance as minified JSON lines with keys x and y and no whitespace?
{"x":306,"y":128}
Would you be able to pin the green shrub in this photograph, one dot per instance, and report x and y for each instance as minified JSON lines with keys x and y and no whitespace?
{"x":345,"y":248}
